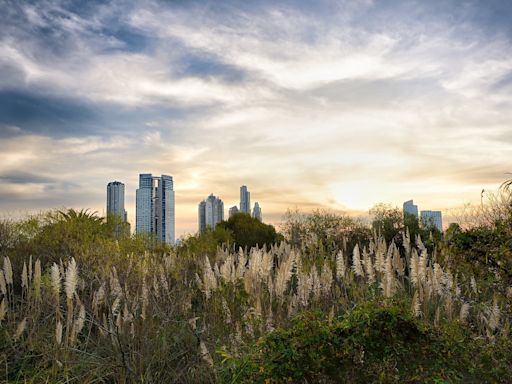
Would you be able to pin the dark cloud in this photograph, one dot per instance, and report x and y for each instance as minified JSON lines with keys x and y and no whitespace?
{"x":25,"y":178}
{"x":503,"y":84}
{"x":57,"y":116}
{"x":131,"y":40}
{"x":46,"y":115}
{"x":204,"y":66}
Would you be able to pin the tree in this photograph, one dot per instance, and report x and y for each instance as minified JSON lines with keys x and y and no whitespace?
{"x":387,"y":220}
{"x":205,"y":243}
{"x":323,"y":229}
{"x":249,"y":232}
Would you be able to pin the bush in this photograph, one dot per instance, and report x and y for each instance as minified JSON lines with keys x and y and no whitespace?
{"x":376,"y":342}
{"x":249,"y":232}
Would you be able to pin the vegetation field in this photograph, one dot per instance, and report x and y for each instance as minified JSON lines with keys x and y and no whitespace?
{"x":330,"y":299}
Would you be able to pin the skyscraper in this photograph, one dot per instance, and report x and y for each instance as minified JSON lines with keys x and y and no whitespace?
{"x":245,"y":200}
{"x":165,"y":210}
{"x":145,"y":198}
{"x":210,"y":212}
{"x":256,"y":212}
{"x":410,"y":208}
{"x":434,"y":218}
{"x":155,"y":207}
{"x":115,"y":200}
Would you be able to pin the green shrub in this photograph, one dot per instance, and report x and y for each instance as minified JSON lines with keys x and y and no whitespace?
{"x":376,"y":342}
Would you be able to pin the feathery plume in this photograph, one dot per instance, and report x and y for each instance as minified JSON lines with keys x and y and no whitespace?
{"x":24,"y":276}
{"x":473,"y":284}
{"x":326,"y":279}
{"x":205,"y":354}
{"x":389,"y":278}
{"x":37,"y":278}
{"x":356,"y":262}
{"x":209,"y":279}
{"x":99,"y":296}
{"x":8,"y":270}
{"x":416,"y":305}
{"x":422,"y":267}
{"x":55,"y":277}
{"x":494,"y":317}
{"x":414,"y":268}
{"x":3,"y":309}
{"x":58,"y":332}
{"x":115,"y":285}
{"x":30,"y":268}
{"x":115,"y":305}
{"x":20,"y":329}
{"x":71,"y":279}
{"x":227,"y":270}
{"x":370,"y":272}
{"x":3,"y":286}
{"x":284,"y":274}
{"x":420,"y":244}
{"x":398,"y":262}
{"x":438,"y":279}
{"x":80,"y":320}
{"x":464,"y":312}
{"x":340,"y":266}
{"x":227,"y":312}
{"x":379,"y":256}
{"x":303,"y":287}
{"x":145,"y":298}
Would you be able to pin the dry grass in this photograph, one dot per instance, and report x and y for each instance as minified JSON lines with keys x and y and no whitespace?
{"x":156,"y":313}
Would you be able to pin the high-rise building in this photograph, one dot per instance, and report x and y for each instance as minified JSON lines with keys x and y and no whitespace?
{"x":233,"y":211}
{"x":245,"y":200}
{"x":201,"y":216}
{"x":155,"y":207}
{"x":410,"y":208}
{"x":256,"y":212}
{"x":145,"y":197}
{"x":429,"y":218}
{"x":210,"y":212}
{"x":115,"y":200}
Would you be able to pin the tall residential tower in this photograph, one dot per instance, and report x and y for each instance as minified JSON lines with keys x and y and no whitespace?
{"x":410,"y":208}
{"x":245,"y":200}
{"x":256,"y":212}
{"x":210,"y":212}
{"x":432,"y":218}
{"x":155,"y":207}
{"x":115,"y":200}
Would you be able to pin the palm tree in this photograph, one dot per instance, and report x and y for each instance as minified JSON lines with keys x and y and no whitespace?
{"x":84,"y":215}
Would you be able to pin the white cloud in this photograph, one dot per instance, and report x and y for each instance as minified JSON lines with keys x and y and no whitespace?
{"x":325,"y":113}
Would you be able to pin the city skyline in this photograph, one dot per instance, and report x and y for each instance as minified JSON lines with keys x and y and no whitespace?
{"x":334,"y":105}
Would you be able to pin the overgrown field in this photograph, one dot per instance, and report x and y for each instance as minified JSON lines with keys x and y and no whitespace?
{"x":78,"y":306}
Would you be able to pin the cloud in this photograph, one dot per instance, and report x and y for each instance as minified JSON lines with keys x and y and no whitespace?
{"x":338,"y":105}
{"x":25,"y":178}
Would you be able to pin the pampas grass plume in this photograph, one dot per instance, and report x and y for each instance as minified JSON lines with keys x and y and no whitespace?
{"x":58,"y":332}
{"x":55,"y":280}
{"x":71,"y":279}
{"x":20,"y":329}
{"x":8,"y":270}
{"x":37,"y":278}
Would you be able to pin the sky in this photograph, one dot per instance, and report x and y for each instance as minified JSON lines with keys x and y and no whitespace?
{"x":323,"y":104}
